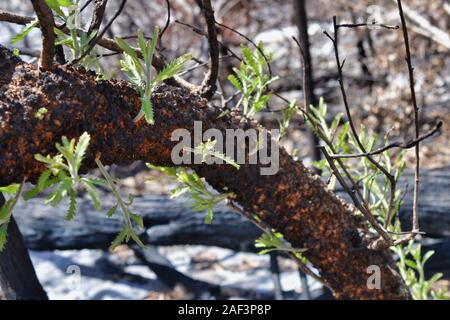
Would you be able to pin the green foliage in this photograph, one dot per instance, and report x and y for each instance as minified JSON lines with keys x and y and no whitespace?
{"x":128,"y":232}
{"x":63,"y":177}
{"x":40,"y":113}
{"x":191,"y":183}
{"x":270,"y":241}
{"x":11,"y":189}
{"x":139,"y":71}
{"x":287,"y":114}
{"x":411,"y":265}
{"x":25,"y":31}
{"x":251,"y":81}
{"x":374,"y":185}
{"x":6,"y":210}
{"x":206,"y":149}
{"x":58,"y":5}
{"x":68,"y":12}
{"x":62,"y":174}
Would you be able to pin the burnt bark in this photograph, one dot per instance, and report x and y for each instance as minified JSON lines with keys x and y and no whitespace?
{"x":18,"y":280}
{"x":293,"y":201}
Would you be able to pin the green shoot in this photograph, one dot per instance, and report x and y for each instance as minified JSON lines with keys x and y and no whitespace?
{"x":62,"y":174}
{"x":128,"y":232}
{"x":287,"y":113}
{"x":25,"y":31}
{"x":139,"y":71}
{"x":192,"y":184}
{"x":206,"y":149}
{"x":40,"y":113}
{"x":270,"y":241}
{"x":251,"y":81}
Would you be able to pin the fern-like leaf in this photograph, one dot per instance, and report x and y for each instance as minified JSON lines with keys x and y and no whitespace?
{"x":72,"y":205}
{"x":173,"y":68}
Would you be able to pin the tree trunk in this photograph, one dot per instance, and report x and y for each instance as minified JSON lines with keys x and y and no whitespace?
{"x":293,"y":201}
{"x":301,"y":17}
{"x":18,"y":280}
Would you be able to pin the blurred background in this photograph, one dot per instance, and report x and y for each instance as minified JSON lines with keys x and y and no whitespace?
{"x":187,"y":259}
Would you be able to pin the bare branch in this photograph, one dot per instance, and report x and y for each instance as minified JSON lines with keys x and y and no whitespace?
{"x":340,"y":65}
{"x":250,"y":41}
{"x":204,"y":34}
{"x":167,"y":21}
{"x":100,"y":35}
{"x":374,"y":24}
{"x":46,"y":22}
{"x":208,"y":86}
{"x":415,"y":224}
{"x":97,"y":16}
{"x":401,"y":145}
{"x":423,"y":27}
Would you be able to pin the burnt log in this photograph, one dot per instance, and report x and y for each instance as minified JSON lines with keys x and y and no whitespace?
{"x":293,"y":201}
{"x":18,"y":280}
{"x":167,"y":222}
{"x":173,"y":222}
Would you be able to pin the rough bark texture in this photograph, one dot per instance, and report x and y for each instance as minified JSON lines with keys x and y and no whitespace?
{"x":294,"y":201}
{"x":18,"y":280}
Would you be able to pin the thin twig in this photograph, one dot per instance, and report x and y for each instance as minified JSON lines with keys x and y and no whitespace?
{"x":368,"y":215}
{"x":100,"y":35}
{"x":46,"y":22}
{"x":373,"y":24}
{"x":161,"y":34}
{"x":339,"y":64}
{"x":400,"y":145}
{"x":267,"y":229}
{"x":204,"y":34}
{"x":269,"y":67}
{"x":97,"y":15}
{"x":415,"y":224}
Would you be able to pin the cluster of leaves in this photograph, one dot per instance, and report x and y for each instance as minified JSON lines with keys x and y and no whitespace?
{"x":251,"y":80}
{"x":190,"y":183}
{"x":207,"y":149}
{"x":139,"y":71}
{"x":63,"y":178}
{"x":339,"y":139}
{"x":287,"y":113}
{"x":374,"y":186}
{"x":411,"y":265}
{"x":274,"y":241}
{"x":67,"y":12}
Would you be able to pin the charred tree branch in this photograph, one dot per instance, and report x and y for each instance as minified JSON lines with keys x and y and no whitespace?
{"x":46,"y":22}
{"x":293,"y":201}
{"x":208,"y":86}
